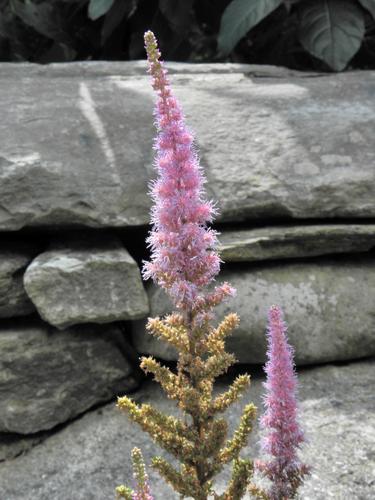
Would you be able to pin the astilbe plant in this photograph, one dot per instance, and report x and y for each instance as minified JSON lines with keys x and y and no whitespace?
{"x":184,"y":262}
{"x":283,"y":435}
{"x":142,"y":488}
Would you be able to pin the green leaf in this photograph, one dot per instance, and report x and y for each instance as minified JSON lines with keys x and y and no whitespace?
{"x":369,"y":5}
{"x":45,"y":18}
{"x":239,"y":17}
{"x":120,"y":9}
{"x":98,"y":8}
{"x":7,"y":21}
{"x":177,"y":12}
{"x":331,"y":30}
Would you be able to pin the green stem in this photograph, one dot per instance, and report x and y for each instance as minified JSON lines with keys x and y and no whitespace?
{"x":198,"y":420}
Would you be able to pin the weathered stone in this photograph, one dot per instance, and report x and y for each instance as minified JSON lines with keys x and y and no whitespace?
{"x":14,"y":257}
{"x":301,"y":147}
{"x":329,"y":307}
{"x":91,"y":456}
{"x":80,"y":283}
{"x":283,"y":242}
{"x":48,"y":377}
{"x":72,"y":152}
{"x":12,"y":445}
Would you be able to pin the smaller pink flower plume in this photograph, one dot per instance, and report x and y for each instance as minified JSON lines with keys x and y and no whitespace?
{"x":142,"y":490}
{"x":183,"y":255}
{"x":283,"y":435}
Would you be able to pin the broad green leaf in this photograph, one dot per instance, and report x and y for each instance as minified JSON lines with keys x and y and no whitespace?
{"x":239,"y":17}
{"x":331,"y":30}
{"x":98,"y":8}
{"x":369,"y":5}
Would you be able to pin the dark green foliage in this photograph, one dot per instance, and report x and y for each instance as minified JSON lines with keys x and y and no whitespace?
{"x":303,"y":34}
{"x":369,"y":5}
{"x":330,"y":30}
{"x":239,"y":17}
{"x":97,"y":8}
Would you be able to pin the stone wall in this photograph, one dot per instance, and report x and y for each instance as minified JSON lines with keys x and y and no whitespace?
{"x":290,"y":162}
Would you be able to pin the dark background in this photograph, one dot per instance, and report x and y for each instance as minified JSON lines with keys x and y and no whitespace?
{"x":46,"y":31}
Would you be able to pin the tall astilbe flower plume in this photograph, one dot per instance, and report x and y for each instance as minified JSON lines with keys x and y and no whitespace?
{"x":184,"y":262}
{"x":283,"y":434}
{"x":183,"y":259}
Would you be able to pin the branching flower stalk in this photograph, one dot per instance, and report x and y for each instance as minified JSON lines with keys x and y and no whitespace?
{"x":283,"y":435}
{"x":184,"y":261}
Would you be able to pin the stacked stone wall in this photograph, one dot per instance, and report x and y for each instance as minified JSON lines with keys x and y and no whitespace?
{"x":290,"y":161}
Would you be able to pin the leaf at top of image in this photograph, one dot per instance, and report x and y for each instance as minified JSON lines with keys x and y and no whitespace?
{"x":239,"y":17}
{"x":369,"y":5}
{"x":98,"y":8}
{"x":120,"y":10}
{"x":43,"y":17}
{"x":177,"y":12}
{"x":331,"y":30}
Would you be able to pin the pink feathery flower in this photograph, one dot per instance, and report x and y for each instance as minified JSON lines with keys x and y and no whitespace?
{"x":142,"y":490}
{"x":183,"y":255}
{"x":143,"y":494}
{"x":283,"y":434}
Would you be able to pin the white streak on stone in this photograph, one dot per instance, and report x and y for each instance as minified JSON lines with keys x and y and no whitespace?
{"x":27,"y":158}
{"x":61,"y":262}
{"x":87,"y":106}
{"x":336,"y":160}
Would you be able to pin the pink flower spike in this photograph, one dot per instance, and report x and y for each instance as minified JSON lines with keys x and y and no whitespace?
{"x":283,"y":435}
{"x":142,"y":490}
{"x":183,"y":255}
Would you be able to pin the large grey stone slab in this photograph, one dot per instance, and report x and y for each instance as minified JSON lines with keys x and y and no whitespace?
{"x":48,"y":377}
{"x":82,"y":282}
{"x":286,"y":241}
{"x":91,"y":456}
{"x":274,"y":143}
{"x":14,"y":258}
{"x":72,"y":152}
{"x":329,"y":307}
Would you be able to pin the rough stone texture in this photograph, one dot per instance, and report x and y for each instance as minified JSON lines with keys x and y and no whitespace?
{"x":329,"y":307}
{"x":14,"y":257}
{"x":48,"y":377}
{"x":91,"y":456}
{"x":278,"y":144}
{"x":283,"y":242}
{"x":12,"y":445}
{"x":82,"y":283}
